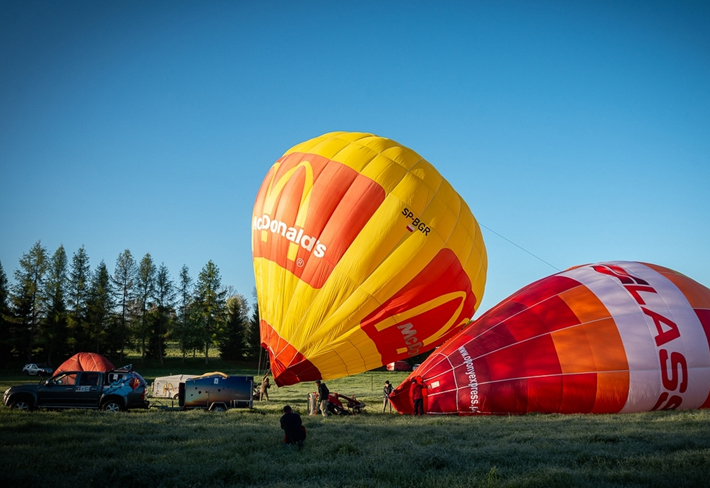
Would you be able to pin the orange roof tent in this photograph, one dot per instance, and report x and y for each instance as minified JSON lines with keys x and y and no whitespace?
{"x":86,"y":361}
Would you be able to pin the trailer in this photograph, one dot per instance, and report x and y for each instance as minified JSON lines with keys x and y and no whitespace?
{"x":216,"y":392}
{"x":169,"y":386}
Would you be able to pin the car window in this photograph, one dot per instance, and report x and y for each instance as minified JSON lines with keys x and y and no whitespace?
{"x":89,"y":379}
{"x":66,"y":379}
{"x":114,"y":377}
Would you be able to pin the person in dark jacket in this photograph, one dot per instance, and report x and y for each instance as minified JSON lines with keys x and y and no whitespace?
{"x":387,"y":391}
{"x":294,"y":431}
{"x":323,"y":394}
{"x":417,"y":396}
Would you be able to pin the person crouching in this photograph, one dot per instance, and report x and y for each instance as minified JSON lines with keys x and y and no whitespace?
{"x":294,"y":431}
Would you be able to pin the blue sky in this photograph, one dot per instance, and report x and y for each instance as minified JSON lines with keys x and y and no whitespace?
{"x":579,"y":131}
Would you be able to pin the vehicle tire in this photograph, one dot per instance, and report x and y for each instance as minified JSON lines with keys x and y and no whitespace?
{"x":21,"y":404}
{"x":219,"y":408}
{"x":111,"y":406}
{"x":26,"y":373}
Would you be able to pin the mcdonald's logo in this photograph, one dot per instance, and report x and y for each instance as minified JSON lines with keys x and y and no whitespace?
{"x":311,"y":207}
{"x":436,"y":304}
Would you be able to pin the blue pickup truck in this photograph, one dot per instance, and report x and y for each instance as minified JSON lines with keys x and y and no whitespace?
{"x":112,"y":391}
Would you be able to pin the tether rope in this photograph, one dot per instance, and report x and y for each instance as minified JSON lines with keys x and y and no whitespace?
{"x":520,"y":247}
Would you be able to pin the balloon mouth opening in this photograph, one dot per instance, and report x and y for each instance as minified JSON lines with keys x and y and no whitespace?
{"x":400,"y":400}
{"x":297,"y":370}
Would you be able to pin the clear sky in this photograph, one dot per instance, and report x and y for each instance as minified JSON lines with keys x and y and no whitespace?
{"x":579,"y":131}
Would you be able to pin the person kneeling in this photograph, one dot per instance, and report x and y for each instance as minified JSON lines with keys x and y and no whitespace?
{"x":294,"y":431}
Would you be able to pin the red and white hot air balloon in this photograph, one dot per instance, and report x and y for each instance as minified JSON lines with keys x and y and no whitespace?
{"x":600,"y":338}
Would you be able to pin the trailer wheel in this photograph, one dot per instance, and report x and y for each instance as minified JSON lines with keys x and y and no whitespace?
{"x":219,"y":408}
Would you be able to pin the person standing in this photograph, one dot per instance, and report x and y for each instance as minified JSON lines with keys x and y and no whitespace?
{"x":294,"y":431}
{"x":264,"y":389}
{"x":387,"y":390}
{"x":417,"y":396}
{"x":323,"y":393}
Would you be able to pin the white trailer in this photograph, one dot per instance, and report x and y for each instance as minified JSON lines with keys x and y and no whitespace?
{"x":169,"y":386}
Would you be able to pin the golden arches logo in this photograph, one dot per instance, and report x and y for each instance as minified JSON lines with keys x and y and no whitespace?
{"x":400,"y":320}
{"x":276,"y":188}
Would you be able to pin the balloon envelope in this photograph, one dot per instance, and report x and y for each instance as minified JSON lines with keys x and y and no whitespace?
{"x":363,"y":255}
{"x":85,"y":361}
{"x":600,"y":338}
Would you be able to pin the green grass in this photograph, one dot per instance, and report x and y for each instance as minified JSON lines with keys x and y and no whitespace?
{"x":158,"y":448}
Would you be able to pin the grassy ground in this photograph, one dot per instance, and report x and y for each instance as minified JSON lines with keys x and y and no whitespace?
{"x":159,"y":448}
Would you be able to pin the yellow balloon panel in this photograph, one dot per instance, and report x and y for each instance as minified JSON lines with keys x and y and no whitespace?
{"x":363,"y":254}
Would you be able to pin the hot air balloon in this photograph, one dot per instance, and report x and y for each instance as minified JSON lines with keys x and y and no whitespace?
{"x":363,"y":255}
{"x":600,"y":338}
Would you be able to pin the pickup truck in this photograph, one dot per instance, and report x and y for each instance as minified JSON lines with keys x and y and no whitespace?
{"x":112,"y":391}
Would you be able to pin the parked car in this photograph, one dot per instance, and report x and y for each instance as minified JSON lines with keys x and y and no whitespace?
{"x":399,"y":366}
{"x":217,"y":392}
{"x":35,"y":369}
{"x":114,"y":390}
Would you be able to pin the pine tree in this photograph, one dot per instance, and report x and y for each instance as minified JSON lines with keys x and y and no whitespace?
{"x":187,"y":329}
{"x":145,"y":288}
{"x":164,"y":297}
{"x":100,"y":307}
{"x":231,"y":339}
{"x":28,"y":297}
{"x":54,"y":332}
{"x":78,"y":294}
{"x":124,"y":276}
{"x":6,"y":330}
{"x":210,"y":300}
{"x":254,"y":349}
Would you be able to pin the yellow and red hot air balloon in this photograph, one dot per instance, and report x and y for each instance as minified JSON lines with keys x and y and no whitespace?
{"x":599,"y":338}
{"x":363,"y":255}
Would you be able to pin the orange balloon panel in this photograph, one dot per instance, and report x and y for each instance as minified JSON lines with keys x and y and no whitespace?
{"x":600,"y":338}
{"x":363,"y":255}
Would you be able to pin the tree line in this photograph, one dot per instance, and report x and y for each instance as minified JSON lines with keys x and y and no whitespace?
{"x":56,"y":308}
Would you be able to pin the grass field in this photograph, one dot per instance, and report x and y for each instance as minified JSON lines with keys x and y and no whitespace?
{"x":159,"y":448}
